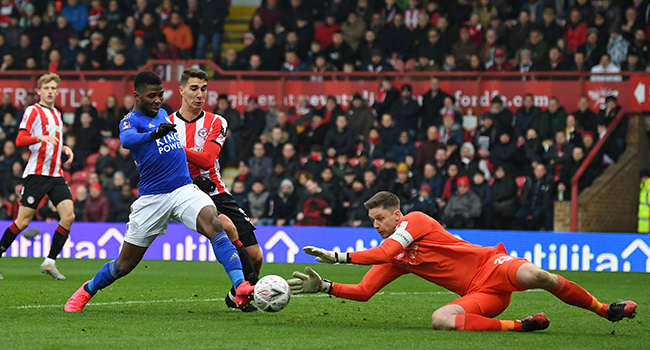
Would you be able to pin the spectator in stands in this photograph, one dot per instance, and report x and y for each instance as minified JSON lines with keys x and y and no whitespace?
{"x":234,"y":120}
{"x":353,"y":30}
{"x":97,"y":207}
{"x":290,"y":160}
{"x":450,"y":129}
{"x":421,"y":31}
{"x":470,"y":163}
{"x":77,"y":14}
{"x":427,"y":150}
{"x":575,"y":32}
{"x":550,"y":30}
{"x":339,"y":139}
{"x":573,"y":131}
{"x":96,"y":51}
{"x":485,"y":135}
{"x":532,"y":148}
{"x":463,"y":208}
{"x":449,"y":64}
{"x":88,"y":135}
{"x":109,"y":118}
{"x":352,"y":200}
{"x":272,"y":182}
{"x":360,"y":117}
{"x":536,"y":201}
{"x":558,"y":154}
{"x":331,"y":110}
{"x":364,"y":164}
{"x":526,"y":63}
{"x":338,"y":52}
{"x":179,"y":35}
{"x":271,"y":119}
{"x":606,"y":66}
{"x":258,"y":204}
{"x":211,"y":19}
{"x":292,"y":63}
{"x":503,"y":151}
{"x":9,"y":123}
{"x":503,"y":118}
{"x":273,"y":147}
{"x":527,"y":117}
{"x":80,"y":204}
{"x":260,"y":165}
{"x":520,"y":32}
{"x":377,"y":63}
{"x":592,"y":48}
{"x":270,"y":53}
{"x":124,"y":162}
{"x":403,"y":186}
{"x":633,"y":62}
{"x":257,"y":27}
{"x":607,"y":115}
{"x":464,"y":48}
{"x":103,"y":159}
{"x":315,"y":161}
{"x":316,"y":206}
{"x":231,"y":61}
{"x":504,"y":196}
{"x":537,"y":46}
{"x":301,"y":112}
{"x":252,"y":127}
{"x":488,"y":49}
{"x":401,"y":39}
{"x":240,"y":194}
{"x":432,"y":103}
{"x":617,"y":46}
{"x":402,"y":147}
{"x":69,"y":52}
{"x":406,"y":111}
{"x":387,"y":174}
{"x":24,"y":50}
{"x":484,"y":192}
{"x":284,"y":203}
{"x":388,"y":134}
{"x":120,"y":208}
{"x":366,"y":47}
{"x":270,"y":12}
{"x":555,"y":61}
{"x":324,"y":33}
{"x":78,"y":160}
{"x":106,"y":177}
{"x":244,"y":175}
{"x":254,"y":63}
{"x":386,"y":97}
{"x":113,"y":14}
{"x":59,"y":33}
{"x":584,"y":115}
{"x":433,"y":48}
{"x":115,"y":191}
{"x":500,"y":64}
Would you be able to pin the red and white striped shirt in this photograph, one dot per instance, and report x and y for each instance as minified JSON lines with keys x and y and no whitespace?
{"x":208,"y":127}
{"x":44,"y":158}
{"x":411,"y":18}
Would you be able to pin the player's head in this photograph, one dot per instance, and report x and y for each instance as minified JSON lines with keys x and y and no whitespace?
{"x":194,"y":88}
{"x":148,"y":93}
{"x":383,"y":210}
{"x":48,"y":88}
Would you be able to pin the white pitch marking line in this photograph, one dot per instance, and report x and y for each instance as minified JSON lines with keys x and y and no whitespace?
{"x":217,"y":299}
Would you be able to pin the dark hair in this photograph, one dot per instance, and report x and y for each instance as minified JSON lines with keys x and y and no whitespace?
{"x":193,"y":73}
{"x":610,"y":98}
{"x":385,"y":199}
{"x":144,"y":78}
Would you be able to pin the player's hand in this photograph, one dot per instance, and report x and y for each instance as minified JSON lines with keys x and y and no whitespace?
{"x":206,"y":185}
{"x":48,"y":139}
{"x":326,"y":256}
{"x":68,"y":152}
{"x":309,"y":283}
{"x":162,"y":130}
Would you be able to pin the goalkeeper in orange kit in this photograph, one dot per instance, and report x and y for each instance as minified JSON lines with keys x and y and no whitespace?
{"x":484,"y":277}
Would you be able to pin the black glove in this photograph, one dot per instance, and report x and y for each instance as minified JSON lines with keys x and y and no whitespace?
{"x":162,"y":130}
{"x":206,"y":185}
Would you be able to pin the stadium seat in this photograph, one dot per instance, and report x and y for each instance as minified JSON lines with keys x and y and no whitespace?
{"x":354,"y":161}
{"x":409,"y":64}
{"x":303,"y":160}
{"x":330,"y":161}
{"x":418,"y":144}
{"x":73,"y":189}
{"x":67,"y":176}
{"x":113,"y":145}
{"x":80,"y":176}
{"x":135,"y":191}
{"x":397,"y":64}
{"x":378,"y":162}
{"x":520,"y":180}
{"x":91,"y":160}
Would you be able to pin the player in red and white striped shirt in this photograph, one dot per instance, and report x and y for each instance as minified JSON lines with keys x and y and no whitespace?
{"x":202,"y":135}
{"x":41,"y":130}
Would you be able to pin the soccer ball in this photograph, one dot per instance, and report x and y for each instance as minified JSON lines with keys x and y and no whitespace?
{"x":272,"y":293}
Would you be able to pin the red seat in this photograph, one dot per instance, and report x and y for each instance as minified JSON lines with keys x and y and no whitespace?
{"x":520,"y":180}
{"x":409,"y":64}
{"x":378,"y":162}
{"x":91,"y":160}
{"x":67,"y":176}
{"x":397,"y":64}
{"x":354,"y":161}
{"x":73,"y":189}
{"x":330,"y":161}
{"x":303,"y":160}
{"x":418,"y":144}
{"x":136,"y":191}
{"x":80,"y":176}
{"x":113,"y":145}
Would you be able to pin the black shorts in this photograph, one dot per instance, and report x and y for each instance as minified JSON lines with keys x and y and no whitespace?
{"x":36,"y":187}
{"x":228,"y":206}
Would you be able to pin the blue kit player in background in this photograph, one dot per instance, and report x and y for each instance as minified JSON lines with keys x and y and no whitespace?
{"x":166,"y":191}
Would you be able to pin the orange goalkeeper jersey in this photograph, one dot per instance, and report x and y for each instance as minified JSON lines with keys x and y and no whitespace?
{"x":420,"y":245}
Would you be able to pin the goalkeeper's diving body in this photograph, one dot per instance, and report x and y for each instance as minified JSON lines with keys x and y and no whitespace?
{"x":166,"y":192}
{"x":484,"y":277}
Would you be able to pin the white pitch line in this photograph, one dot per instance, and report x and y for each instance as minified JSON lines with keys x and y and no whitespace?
{"x":24,"y":307}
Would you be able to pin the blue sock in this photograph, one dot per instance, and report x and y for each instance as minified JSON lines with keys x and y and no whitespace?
{"x":104,"y":277}
{"x":228,"y":257}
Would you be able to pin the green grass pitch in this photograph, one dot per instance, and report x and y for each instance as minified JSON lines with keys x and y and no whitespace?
{"x":179,"y":305}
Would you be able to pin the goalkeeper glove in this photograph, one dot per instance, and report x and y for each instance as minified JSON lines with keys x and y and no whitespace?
{"x":162,"y":130}
{"x":326,"y":256}
{"x":309,"y":283}
{"x":206,"y":185}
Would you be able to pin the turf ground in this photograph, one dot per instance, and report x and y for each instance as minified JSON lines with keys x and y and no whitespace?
{"x":174,"y":305}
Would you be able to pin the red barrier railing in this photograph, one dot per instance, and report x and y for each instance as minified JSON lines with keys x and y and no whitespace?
{"x":583,"y":168}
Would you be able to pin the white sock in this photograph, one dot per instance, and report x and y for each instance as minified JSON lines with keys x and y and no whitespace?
{"x":50,"y":261}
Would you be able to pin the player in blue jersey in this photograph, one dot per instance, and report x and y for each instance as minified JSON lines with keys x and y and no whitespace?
{"x":166,"y":191}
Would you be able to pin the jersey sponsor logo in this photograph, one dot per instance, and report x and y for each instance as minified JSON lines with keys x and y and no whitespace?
{"x":126,"y":124}
{"x":54,"y":128}
{"x":203,"y":133}
{"x":500,"y":260}
{"x":168,"y":143}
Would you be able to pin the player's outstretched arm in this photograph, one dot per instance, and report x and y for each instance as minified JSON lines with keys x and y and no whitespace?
{"x":311,"y":282}
{"x":23,"y":139}
{"x":326,"y":256}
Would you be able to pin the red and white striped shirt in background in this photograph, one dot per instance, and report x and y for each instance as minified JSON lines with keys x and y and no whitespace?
{"x":208,"y":127}
{"x":411,"y":18}
{"x":44,"y":158}
{"x":5,"y":13}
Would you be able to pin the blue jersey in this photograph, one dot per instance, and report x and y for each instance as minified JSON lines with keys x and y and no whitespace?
{"x":162,"y":163}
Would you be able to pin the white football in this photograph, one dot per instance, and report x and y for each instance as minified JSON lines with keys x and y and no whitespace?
{"x":272,"y":293}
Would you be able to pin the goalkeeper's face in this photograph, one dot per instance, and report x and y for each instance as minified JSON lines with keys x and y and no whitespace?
{"x":384,"y":220}
{"x":194,"y":93}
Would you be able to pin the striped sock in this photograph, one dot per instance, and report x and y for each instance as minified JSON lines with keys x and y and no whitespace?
{"x":9,"y":237}
{"x":58,"y":241}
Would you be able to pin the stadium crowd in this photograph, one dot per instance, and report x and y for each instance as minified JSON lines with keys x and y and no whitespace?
{"x":310,"y":166}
